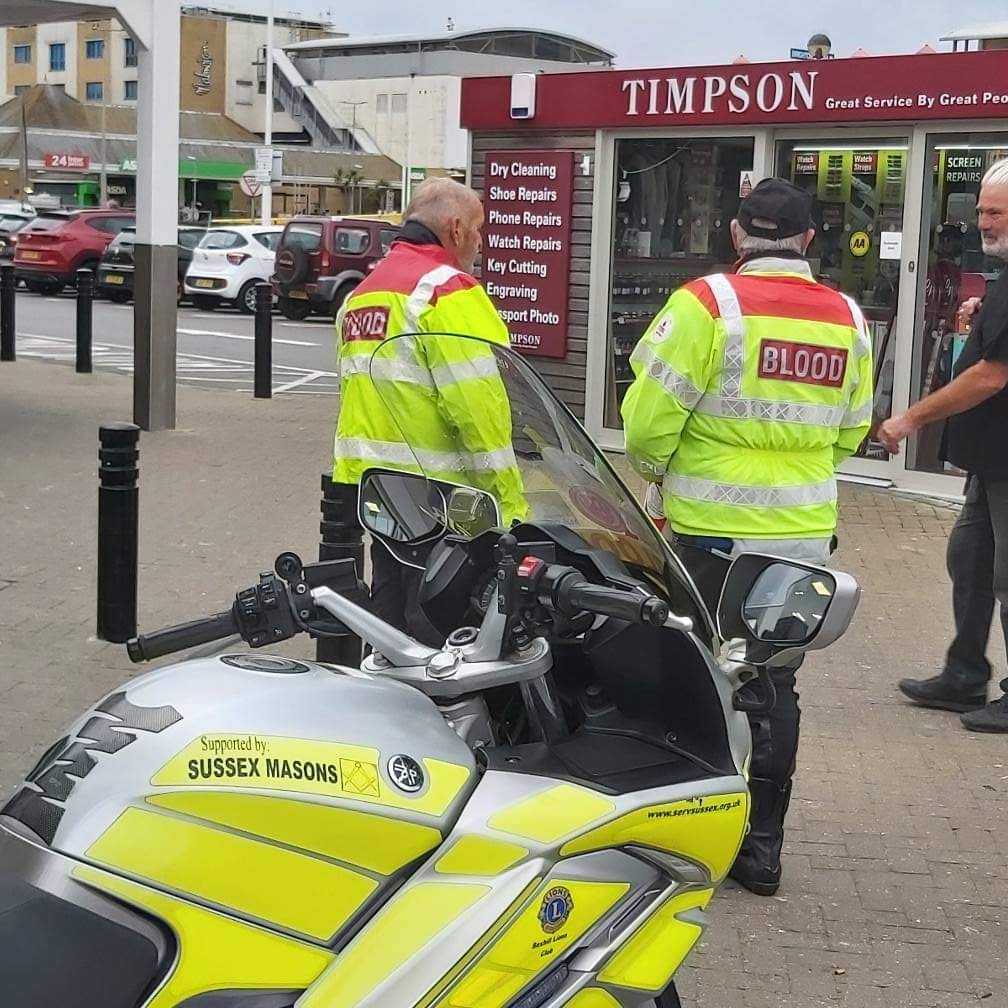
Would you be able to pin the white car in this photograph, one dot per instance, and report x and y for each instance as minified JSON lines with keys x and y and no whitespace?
{"x":228,"y":263}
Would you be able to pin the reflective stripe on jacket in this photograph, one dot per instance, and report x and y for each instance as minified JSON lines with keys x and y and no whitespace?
{"x":749,"y":390}
{"x":448,"y":390}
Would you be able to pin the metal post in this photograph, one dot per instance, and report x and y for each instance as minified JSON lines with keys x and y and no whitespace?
{"x":85,"y":302}
{"x":8,"y":351}
{"x":118,"y":522}
{"x":264,"y":340}
{"x":342,"y":537}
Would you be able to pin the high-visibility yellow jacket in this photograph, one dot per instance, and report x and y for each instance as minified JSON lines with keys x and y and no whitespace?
{"x":449,"y":391}
{"x":749,"y":390}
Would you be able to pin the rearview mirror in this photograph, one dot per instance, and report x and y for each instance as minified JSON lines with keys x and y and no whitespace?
{"x":785,"y":604}
{"x":401,"y":507}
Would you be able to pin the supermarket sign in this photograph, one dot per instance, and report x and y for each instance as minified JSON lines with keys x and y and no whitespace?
{"x":68,"y":162}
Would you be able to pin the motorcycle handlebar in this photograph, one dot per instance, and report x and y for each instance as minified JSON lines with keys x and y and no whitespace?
{"x":572,"y":594}
{"x":144,"y":647}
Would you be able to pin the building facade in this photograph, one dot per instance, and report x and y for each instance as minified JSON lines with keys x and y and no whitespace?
{"x":623,"y":184}
{"x":405,"y":91}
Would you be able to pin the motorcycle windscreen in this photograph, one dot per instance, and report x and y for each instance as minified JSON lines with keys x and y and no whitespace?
{"x":474,"y":412}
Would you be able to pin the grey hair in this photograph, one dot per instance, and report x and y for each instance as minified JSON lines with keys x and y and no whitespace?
{"x":437,"y":201}
{"x":747,"y":243}
{"x":997,"y":174}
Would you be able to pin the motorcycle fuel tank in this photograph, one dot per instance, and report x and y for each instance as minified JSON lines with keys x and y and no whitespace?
{"x":284,"y":793}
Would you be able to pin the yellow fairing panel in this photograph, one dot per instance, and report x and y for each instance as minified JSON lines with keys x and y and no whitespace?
{"x":215,"y":953}
{"x":374,"y":842}
{"x":476,"y":855}
{"x":553,"y":813}
{"x":593,"y":997}
{"x":307,"y":766}
{"x":302,"y":893}
{"x":399,"y":932}
{"x":527,"y":947}
{"x":706,"y":830}
{"x":650,"y":957}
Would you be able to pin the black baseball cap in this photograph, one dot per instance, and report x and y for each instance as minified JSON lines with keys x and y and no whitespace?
{"x":778,"y":201}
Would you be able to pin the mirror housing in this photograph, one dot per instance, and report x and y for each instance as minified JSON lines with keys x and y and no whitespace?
{"x":409,"y":513}
{"x":782,"y":605}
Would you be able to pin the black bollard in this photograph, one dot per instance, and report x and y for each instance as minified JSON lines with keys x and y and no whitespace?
{"x":118,"y":520}
{"x":264,"y":341}
{"x":342,"y":537}
{"x":8,"y":282}
{"x":85,"y":303}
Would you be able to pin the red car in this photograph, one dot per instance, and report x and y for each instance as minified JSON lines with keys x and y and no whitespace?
{"x":57,"y":243}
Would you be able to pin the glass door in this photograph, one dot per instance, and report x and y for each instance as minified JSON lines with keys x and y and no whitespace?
{"x":858,"y":190}
{"x":957,"y":269}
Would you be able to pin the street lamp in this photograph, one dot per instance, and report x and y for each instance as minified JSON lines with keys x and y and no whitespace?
{"x":353,"y":191}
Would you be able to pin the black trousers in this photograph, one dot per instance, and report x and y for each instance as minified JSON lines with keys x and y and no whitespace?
{"x":977,"y":560}
{"x":775,"y":734}
{"x":394,"y":589}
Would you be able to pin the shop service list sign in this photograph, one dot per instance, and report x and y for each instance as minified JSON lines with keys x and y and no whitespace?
{"x":526,"y":245}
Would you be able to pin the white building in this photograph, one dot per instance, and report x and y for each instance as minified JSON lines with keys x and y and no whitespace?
{"x":405,"y":90}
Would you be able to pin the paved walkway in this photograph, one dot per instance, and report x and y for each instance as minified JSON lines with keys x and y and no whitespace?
{"x":896,"y":868}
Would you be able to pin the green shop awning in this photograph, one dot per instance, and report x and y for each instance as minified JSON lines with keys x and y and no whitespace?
{"x":221,"y":170}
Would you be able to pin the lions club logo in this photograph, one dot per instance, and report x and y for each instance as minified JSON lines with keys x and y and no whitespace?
{"x":556,"y":908}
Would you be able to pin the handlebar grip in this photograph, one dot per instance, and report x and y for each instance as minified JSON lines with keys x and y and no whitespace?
{"x":144,"y":647}
{"x":575,"y":596}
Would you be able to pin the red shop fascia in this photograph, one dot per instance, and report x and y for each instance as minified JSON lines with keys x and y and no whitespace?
{"x":537,"y":174}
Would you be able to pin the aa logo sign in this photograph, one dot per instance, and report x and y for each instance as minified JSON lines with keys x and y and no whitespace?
{"x":860,"y":243}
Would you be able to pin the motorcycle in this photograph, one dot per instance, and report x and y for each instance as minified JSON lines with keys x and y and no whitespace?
{"x":532,"y":814}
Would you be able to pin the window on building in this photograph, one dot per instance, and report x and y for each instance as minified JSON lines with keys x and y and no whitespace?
{"x":22,"y":54}
{"x":129,"y":47}
{"x":262,"y":87}
{"x":57,"y":56}
{"x":243,"y":92}
{"x":398,"y":103}
{"x":94,"y":91}
{"x":381,"y":104}
{"x":94,"y":48}
{"x":130,"y":90}
{"x":20,"y":89}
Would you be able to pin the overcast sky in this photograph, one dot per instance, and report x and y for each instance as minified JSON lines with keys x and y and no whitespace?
{"x":676,"y":32}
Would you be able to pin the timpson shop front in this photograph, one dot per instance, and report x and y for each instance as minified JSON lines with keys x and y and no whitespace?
{"x":619,"y":187}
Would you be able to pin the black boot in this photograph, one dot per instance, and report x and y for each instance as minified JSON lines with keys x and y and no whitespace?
{"x":758,"y":866}
{"x":942,"y":693}
{"x":992,"y":718}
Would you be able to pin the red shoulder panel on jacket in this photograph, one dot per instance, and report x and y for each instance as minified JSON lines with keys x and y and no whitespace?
{"x":702,"y":292}
{"x":790,"y":298}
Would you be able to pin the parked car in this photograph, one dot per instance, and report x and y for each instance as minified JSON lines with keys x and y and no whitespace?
{"x":321,"y":259}
{"x":229,"y":262}
{"x":117,"y":265}
{"x":57,"y":243}
{"x":10,"y":224}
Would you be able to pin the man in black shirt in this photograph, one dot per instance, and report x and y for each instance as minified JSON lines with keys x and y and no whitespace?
{"x":976,"y":440}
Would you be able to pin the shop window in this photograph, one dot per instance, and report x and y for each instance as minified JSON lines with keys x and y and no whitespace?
{"x":94,"y":91}
{"x":857,"y":191}
{"x":94,"y":49}
{"x":129,"y":52}
{"x":399,"y":104}
{"x":957,"y":269}
{"x":674,"y":201}
{"x":57,"y":56}
{"x":381,"y":104}
{"x":20,"y":89}
{"x":22,"y":54}
{"x":130,"y":90}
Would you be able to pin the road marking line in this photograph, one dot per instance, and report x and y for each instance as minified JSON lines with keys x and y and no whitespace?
{"x":241,"y":336}
{"x":300,"y":381}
